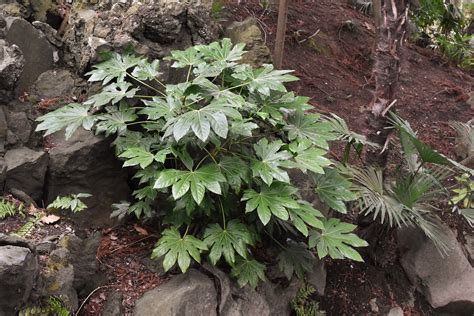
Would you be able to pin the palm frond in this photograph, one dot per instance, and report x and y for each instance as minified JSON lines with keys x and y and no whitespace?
{"x":339,"y":126}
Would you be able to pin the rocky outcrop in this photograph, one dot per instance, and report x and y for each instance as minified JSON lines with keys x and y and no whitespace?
{"x":153,"y":28}
{"x":26,"y":169}
{"x":37,"y":51}
{"x":18,"y":272}
{"x":447,"y":282}
{"x":192,"y":293}
{"x":248,"y":32}
{"x":11,"y":68}
{"x":86,"y":164}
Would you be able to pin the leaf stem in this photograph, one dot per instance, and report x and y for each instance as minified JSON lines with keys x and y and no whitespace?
{"x":146,"y":85}
{"x":223,"y":213}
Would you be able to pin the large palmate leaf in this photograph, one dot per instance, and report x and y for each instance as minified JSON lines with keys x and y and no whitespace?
{"x":70,"y":117}
{"x":114,"y":68}
{"x":158,"y":108}
{"x":115,"y":121}
{"x":305,"y":215}
{"x":185,"y":58}
{"x":145,"y":70}
{"x":248,"y":272}
{"x":271,"y":200}
{"x":333,"y":189}
{"x":235,"y":170}
{"x":265,"y":79}
{"x":113,"y":93}
{"x":308,"y":126}
{"x":198,"y":181}
{"x":177,"y":248}
{"x":336,"y":240}
{"x":233,"y":238}
{"x":143,"y":158}
{"x":296,"y":258}
{"x":308,"y":157}
{"x":271,"y":159}
{"x":222,"y":53}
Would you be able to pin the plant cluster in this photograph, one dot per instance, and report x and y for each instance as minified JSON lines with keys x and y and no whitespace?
{"x":213,"y":157}
{"x":9,"y":208}
{"x":444,"y":23}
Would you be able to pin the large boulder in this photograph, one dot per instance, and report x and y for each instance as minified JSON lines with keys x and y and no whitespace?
{"x":86,"y":164}
{"x":18,"y":272}
{"x":151,"y":28}
{"x":26,"y":170}
{"x":38,"y":52}
{"x":192,"y":293}
{"x":11,"y":68}
{"x":447,"y":282}
{"x":248,"y":32}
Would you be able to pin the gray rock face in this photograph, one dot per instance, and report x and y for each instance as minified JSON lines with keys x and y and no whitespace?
{"x":151,"y":28}
{"x":26,"y":169}
{"x":86,"y":163}
{"x":317,"y":277}
{"x":113,"y":305}
{"x":36,"y":49}
{"x":11,"y":67}
{"x":3,"y":129}
{"x":20,"y":128}
{"x":249,"y":33}
{"x":192,"y":293}
{"x":18,"y":272}
{"x":53,"y":84}
{"x":446,"y":282}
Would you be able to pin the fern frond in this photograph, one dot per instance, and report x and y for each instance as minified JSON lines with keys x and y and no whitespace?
{"x":8,"y":208}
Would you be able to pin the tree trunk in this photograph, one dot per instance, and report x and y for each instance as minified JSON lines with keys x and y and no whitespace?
{"x":281,"y":31}
{"x":386,"y":71}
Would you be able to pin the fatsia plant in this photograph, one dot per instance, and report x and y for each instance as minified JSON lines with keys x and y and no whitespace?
{"x":211,"y":156}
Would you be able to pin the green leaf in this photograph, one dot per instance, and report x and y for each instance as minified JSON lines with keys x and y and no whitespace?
{"x":235,"y":170}
{"x":113,"y":93}
{"x":207,"y":176}
{"x":333,"y":190}
{"x":70,"y":202}
{"x":295,"y":258}
{"x":115,"y":122}
{"x":227,"y":241}
{"x":222,"y":53}
{"x":336,"y":240}
{"x":139,"y":208}
{"x":146,"y":70}
{"x":248,"y":272}
{"x":305,"y":215}
{"x":142,"y":157}
{"x":308,"y":126}
{"x":114,"y":68}
{"x":158,"y":108}
{"x":264,"y":79}
{"x":268,"y":167}
{"x":312,"y":159}
{"x":186,"y":58}
{"x":271,"y":200}
{"x":179,"y":249}
{"x":70,"y":117}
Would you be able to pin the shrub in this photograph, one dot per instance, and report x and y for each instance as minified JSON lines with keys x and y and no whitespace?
{"x":212,"y":155}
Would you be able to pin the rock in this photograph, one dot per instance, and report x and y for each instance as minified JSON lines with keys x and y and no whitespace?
{"x":53,"y":83}
{"x":86,"y":164}
{"x":395,"y":311}
{"x":3,"y":129}
{"x":49,"y":32}
{"x":12,"y":240}
{"x":446,"y":282}
{"x":36,"y":49}
{"x":317,"y":277}
{"x":83,"y":258}
{"x":59,"y":277}
{"x":470,"y":101}
{"x":248,"y":32}
{"x":20,"y":126}
{"x":12,"y":63}
{"x":26,"y":169}
{"x":113,"y":304}
{"x":236,"y":301}
{"x":192,"y":293}
{"x":279,"y":297}
{"x":152,"y":28}
{"x":18,"y":272}
{"x":373,"y":305}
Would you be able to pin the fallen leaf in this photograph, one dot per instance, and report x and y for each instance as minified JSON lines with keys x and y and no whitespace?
{"x":50,"y":219}
{"x":141,"y":230}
